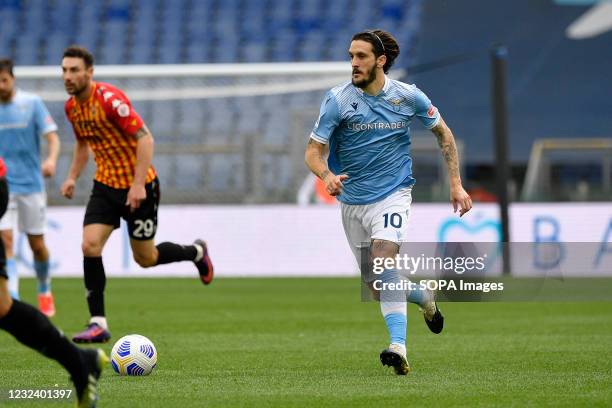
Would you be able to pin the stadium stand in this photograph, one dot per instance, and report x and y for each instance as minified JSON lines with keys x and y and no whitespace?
{"x":193,"y":31}
{"x":211,"y":31}
{"x":546,"y":97}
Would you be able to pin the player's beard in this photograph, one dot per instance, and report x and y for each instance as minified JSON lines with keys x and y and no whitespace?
{"x":76,"y":89}
{"x":366,"y":81}
{"x":5,"y":96}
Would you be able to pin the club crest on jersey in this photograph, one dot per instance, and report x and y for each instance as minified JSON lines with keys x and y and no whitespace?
{"x":396,"y":102}
{"x":432,"y":111}
{"x":123,"y":110}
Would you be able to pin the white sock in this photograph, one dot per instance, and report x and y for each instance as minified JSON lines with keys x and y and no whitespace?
{"x":200,"y":252}
{"x":13,"y":278}
{"x":402,"y":348}
{"x":100,"y":321}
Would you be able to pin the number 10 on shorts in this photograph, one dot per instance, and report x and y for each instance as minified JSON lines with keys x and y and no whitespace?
{"x":393,"y":219}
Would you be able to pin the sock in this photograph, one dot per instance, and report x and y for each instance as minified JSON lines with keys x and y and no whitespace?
{"x":95,"y":282}
{"x":44,"y":279}
{"x":393,"y":308}
{"x":100,"y":321}
{"x":419,"y":296}
{"x":394,"y":314}
{"x":13,"y":281}
{"x":33,"y":329}
{"x":171,"y":252}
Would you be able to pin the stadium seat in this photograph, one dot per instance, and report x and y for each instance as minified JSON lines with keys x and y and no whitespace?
{"x":226,"y":172}
{"x":189,"y":172}
{"x":164,"y":166}
{"x":191,"y":126}
{"x":55,"y":44}
{"x":27,"y":48}
{"x":162,"y":123}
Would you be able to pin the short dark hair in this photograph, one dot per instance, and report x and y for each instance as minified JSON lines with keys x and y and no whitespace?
{"x":383,"y":43}
{"x":76,"y":51}
{"x":6,"y":65}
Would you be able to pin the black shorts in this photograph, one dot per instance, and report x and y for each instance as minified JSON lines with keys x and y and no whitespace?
{"x":107,"y":206}
{"x":4,"y":197}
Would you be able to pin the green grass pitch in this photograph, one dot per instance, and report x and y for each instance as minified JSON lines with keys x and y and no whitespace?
{"x":312,"y":342}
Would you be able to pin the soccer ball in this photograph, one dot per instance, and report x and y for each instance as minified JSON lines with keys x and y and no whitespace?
{"x":133,"y":355}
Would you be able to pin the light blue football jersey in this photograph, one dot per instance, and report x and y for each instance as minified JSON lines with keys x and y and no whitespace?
{"x":369,"y":137}
{"x":22,"y":123}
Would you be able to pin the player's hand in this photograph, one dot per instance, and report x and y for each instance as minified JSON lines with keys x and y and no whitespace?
{"x":333,"y":183}
{"x":136,"y":195}
{"x":67,"y":189}
{"x":48,"y":168}
{"x":461,"y":200}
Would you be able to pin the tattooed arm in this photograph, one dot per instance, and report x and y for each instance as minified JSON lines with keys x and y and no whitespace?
{"x":144,"y":156}
{"x":446,"y":141}
{"x":315,"y":158}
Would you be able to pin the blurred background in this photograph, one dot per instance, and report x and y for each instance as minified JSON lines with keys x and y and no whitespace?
{"x":244,"y":143}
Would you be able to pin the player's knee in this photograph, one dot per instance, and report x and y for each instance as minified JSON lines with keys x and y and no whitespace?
{"x":145,"y":260}
{"x":38,"y":248}
{"x":7,"y":240}
{"x":91,"y":248}
{"x":383,"y":249}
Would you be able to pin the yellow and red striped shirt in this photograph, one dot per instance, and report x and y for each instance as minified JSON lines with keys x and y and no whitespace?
{"x":108,"y":123}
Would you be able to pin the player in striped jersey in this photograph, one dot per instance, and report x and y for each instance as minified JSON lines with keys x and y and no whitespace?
{"x":125,"y":185}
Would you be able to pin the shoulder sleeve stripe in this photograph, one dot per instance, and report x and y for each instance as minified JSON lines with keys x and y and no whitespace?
{"x":318,"y":138}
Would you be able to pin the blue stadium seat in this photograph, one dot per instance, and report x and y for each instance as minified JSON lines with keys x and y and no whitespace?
{"x":9,"y":22}
{"x":110,"y":53}
{"x":141,"y":54}
{"x":55,"y":44}
{"x":164,"y":166}
{"x":189,"y":171}
{"x":254,"y":52}
{"x":192,"y":121}
{"x":27,"y":48}
{"x":221,"y":121}
{"x":10,"y":5}
{"x":198,"y":52}
{"x":115,"y":32}
{"x":119,"y":4}
{"x":225,"y":172}
{"x":226,"y":51}
{"x":313,"y":46}
{"x":143,"y":108}
{"x":168,"y":54}
{"x":163,"y":123}
{"x":276,"y":172}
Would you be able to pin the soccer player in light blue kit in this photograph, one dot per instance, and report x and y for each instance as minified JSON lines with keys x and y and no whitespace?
{"x":24,"y":119}
{"x":364,"y":127}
